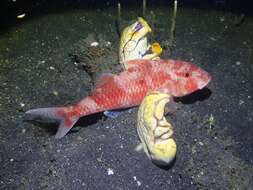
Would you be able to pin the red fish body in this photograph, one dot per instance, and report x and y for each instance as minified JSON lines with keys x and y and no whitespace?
{"x":128,"y":88}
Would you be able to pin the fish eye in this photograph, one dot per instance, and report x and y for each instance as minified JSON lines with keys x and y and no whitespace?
{"x":187,"y":75}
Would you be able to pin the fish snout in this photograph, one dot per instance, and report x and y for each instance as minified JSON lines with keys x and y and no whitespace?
{"x":203,"y":79}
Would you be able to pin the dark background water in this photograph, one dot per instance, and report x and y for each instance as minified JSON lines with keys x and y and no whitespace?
{"x":9,"y":9}
{"x":36,"y":71}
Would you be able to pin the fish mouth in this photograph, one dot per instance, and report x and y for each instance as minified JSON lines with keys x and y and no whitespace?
{"x":206,"y":80}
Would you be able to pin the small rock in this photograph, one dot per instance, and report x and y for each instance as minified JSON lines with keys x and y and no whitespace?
{"x":11,"y":179}
{"x":21,"y":16}
{"x":213,"y":39}
{"x":51,"y":68}
{"x":94,"y":44}
{"x":241,"y":102}
{"x":137,"y":181}
{"x":99,"y":160}
{"x":55,"y":93}
{"x":110,"y":171}
{"x":108,"y":43}
{"x":43,"y":61}
{"x":11,"y":160}
{"x":238,"y":63}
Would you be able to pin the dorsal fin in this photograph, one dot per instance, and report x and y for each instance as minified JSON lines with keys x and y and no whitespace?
{"x":104,"y":78}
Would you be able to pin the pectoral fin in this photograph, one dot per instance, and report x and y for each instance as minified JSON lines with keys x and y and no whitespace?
{"x":113,"y":114}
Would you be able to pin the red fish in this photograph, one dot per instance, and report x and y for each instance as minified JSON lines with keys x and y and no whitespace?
{"x":128,"y":88}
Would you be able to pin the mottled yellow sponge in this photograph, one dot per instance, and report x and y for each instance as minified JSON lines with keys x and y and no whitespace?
{"x":154,"y":130}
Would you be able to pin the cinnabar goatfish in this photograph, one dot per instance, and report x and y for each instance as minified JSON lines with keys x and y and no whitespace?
{"x":128,"y":88}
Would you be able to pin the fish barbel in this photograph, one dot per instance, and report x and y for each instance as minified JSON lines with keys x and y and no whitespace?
{"x":128,"y":88}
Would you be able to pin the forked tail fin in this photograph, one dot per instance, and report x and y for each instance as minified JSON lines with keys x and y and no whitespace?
{"x":57,"y":113}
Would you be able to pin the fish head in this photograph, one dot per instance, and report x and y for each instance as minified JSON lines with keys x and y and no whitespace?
{"x":186,"y":78}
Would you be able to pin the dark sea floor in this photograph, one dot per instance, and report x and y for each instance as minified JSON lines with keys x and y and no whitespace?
{"x":213,"y":128}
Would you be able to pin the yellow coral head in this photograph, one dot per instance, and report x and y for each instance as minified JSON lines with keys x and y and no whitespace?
{"x":156,"y":48}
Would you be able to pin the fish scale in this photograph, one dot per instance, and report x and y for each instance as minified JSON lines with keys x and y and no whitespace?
{"x":128,"y":88}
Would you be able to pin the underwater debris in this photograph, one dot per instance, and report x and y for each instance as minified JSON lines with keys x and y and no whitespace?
{"x":52,"y":68}
{"x":211,"y":121}
{"x":238,"y":63}
{"x":110,"y":171}
{"x":55,"y":93}
{"x":137,"y":181}
{"x":173,"y":28}
{"x":144,"y":7}
{"x":118,"y":20}
{"x":222,"y":19}
{"x":239,"y":20}
{"x":119,"y":12}
{"x":21,"y":16}
{"x":94,"y":44}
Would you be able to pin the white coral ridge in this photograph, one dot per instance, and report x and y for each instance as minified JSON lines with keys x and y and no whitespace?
{"x":94,"y":44}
